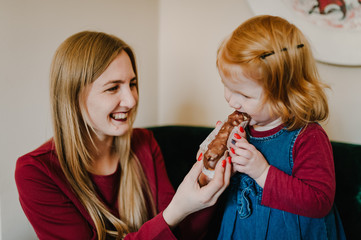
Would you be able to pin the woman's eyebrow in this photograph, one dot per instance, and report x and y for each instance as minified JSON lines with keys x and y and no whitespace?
{"x":118,"y":81}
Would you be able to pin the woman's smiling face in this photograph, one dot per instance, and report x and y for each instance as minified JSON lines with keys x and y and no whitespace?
{"x":110,"y":99}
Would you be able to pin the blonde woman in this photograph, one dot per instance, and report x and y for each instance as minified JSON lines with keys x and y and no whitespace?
{"x":98,"y":178}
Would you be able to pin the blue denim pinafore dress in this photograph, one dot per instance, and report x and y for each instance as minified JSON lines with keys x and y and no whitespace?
{"x":244,"y":216}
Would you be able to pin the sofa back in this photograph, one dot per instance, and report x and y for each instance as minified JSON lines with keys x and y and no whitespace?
{"x":179,"y":145}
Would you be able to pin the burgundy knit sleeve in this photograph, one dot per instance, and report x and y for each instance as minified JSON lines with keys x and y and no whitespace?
{"x":155,"y":229}
{"x":310,"y":190}
{"x":51,"y":213}
{"x":194,"y":227}
{"x":149,"y":154}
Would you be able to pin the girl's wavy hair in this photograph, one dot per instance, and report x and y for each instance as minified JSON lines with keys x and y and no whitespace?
{"x":276,"y":54}
{"x":78,"y":62}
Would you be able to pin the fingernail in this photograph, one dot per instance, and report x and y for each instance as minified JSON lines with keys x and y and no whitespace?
{"x":218,"y":122}
{"x":224,"y":163}
{"x":229,"y":159}
{"x":200,"y":156}
{"x":236,"y":135}
{"x":232,"y":150}
{"x":241,"y":129}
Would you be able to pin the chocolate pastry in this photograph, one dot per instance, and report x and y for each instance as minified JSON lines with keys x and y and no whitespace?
{"x":218,"y":146}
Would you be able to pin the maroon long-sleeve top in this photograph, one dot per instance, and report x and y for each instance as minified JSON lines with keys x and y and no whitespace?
{"x":56,"y":213}
{"x":310,"y":190}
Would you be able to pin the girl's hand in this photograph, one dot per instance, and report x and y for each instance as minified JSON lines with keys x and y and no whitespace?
{"x":190,"y":197}
{"x":247,"y":159}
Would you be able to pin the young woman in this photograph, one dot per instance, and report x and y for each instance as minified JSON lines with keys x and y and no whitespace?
{"x":98,"y":178}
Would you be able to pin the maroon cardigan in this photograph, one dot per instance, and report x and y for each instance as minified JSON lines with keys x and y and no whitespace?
{"x":56,"y":213}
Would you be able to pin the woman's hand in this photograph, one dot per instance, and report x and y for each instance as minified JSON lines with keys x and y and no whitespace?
{"x":247,"y":159}
{"x":190,"y":197}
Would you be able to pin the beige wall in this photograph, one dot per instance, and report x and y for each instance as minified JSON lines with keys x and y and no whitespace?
{"x":175,"y":42}
{"x":30,"y":31}
{"x":190,"y":91}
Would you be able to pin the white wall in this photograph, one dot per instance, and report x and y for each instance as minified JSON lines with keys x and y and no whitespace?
{"x":30,"y":31}
{"x":190,"y":91}
{"x":175,"y":41}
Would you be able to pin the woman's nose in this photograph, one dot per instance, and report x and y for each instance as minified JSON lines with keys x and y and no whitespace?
{"x":128,"y":98}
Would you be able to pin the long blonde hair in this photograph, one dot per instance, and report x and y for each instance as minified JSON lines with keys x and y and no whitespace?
{"x":277,"y":55}
{"x":78,"y":61}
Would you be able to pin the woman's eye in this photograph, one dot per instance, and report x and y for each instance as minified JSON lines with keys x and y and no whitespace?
{"x":133,"y":84}
{"x":112,"y":89}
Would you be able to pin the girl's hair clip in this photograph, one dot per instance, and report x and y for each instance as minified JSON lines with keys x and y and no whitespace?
{"x":263,"y":56}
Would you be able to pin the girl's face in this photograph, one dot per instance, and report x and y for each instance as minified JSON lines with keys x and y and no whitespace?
{"x":110,"y":98}
{"x":246,"y":95}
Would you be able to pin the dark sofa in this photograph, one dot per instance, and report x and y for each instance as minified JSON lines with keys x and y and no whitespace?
{"x":179,"y":145}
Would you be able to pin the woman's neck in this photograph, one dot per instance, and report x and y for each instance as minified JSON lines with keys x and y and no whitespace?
{"x":105,"y":160}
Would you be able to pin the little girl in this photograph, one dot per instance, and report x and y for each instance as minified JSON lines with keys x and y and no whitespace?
{"x":284,"y":185}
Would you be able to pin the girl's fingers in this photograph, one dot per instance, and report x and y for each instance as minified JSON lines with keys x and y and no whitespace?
{"x":239,"y":168}
{"x":235,"y":151}
{"x":239,"y":160}
{"x":241,"y":131}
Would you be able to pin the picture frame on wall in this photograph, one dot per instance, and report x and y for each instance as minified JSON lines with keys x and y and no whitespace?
{"x":333,"y":27}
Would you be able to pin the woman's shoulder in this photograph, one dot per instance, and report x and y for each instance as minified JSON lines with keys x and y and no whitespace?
{"x":42,"y":152}
{"x":142,"y":136}
{"x":42,"y":159}
{"x":143,"y":143}
{"x":141,"y":133}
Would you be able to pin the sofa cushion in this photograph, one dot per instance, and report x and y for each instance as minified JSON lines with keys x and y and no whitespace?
{"x":179,"y":145}
{"x":347,"y":159}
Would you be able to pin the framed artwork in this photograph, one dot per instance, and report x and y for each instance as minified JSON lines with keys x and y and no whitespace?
{"x":333,"y":27}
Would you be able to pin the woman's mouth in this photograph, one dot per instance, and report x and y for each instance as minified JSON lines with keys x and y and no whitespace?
{"x":119,"y":116}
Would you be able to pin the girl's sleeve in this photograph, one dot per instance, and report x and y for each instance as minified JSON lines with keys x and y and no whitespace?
{"x":310,"y":190}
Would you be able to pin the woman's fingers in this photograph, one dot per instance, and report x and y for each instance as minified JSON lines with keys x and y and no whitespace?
{"x":219,"y":182}
{"x":194,"y":173}
{"x":199,"y":155}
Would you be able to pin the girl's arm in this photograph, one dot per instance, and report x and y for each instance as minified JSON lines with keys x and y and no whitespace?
{"x":311,"y":189}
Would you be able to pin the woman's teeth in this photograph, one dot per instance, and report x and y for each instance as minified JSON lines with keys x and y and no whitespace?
{"x":119,"y":116}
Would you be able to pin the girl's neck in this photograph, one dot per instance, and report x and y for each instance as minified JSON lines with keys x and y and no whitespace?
{"x":269,"y":126}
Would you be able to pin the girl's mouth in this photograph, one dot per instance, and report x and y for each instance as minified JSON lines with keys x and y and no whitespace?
{"x":119,"y":116}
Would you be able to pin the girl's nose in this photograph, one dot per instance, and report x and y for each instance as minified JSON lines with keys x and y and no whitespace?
{"x":232,"y":99}
{"x":234,"y":102}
